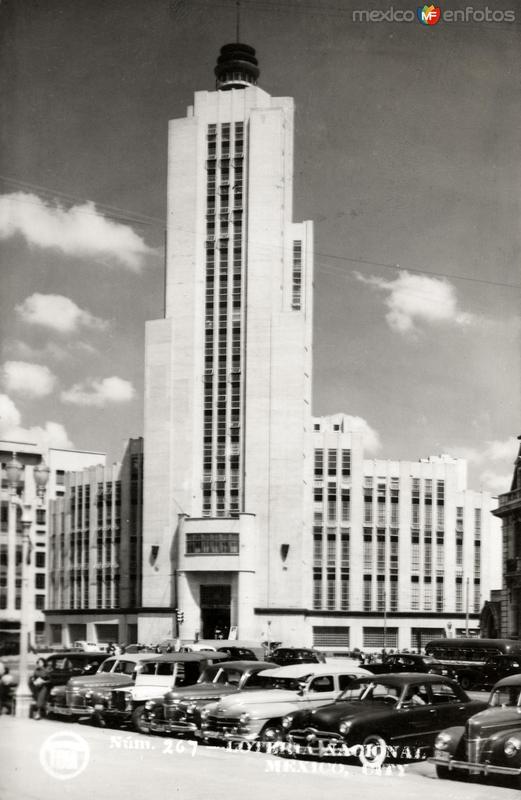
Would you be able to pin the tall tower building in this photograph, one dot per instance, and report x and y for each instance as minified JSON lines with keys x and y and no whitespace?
{"x":228,"y":371}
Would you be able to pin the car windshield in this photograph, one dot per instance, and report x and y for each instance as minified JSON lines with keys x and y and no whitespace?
{"x":371,"y":691}
{"x":107,"y":666}
{"x":506,"y":696}
{"x":293,"y":684}
{"x":209,"y":675}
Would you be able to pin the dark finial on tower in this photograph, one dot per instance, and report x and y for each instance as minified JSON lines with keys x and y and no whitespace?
{"x":237,"y":66}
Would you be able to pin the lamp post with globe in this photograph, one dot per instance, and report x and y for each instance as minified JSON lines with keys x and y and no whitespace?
{"x":13,"y":471}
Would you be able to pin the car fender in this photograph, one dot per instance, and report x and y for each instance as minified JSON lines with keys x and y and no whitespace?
{"x":495,"y":747}
{"x":456,"y":734}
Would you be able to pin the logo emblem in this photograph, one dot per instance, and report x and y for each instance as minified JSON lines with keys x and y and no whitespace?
{"x":64,"y":755}
{"x":429,"y":15}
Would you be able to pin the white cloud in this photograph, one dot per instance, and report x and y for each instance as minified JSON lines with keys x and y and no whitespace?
{"x":78,"y":231}
{"x":492,"y":450}
{"x":494,"y":482}
{"x":49,"y":350}
{"x":99,"y":393}
{"x":418,"y":298}
{"x":57,"y":312}
{"x":358,"y":424}
{"x":33,"y":380}
{"x":51,"y":434}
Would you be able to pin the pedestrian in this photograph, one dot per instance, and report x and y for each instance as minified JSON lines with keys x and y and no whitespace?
{"x":6,"y":691}
{"x":39,"y":686}
{"x":111,"y":649}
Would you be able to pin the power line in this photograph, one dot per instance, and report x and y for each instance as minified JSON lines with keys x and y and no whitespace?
{"x":155,"y":222}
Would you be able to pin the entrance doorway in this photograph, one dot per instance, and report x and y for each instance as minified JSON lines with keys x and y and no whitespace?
{"x":215,"y":604}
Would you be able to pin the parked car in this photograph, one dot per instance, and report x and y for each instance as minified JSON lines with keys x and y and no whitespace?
{"x":179,"y":711}
{"x":485,"y":676}
{"x":80,"y":695}
{"x":90,"y":647}
{"x":409,"y":662}
{"x":258,"y":713}
{"x":238,"y":653}
{"x":285,"y":656}
{"x":383,"y":716}
{"x":61,"y":667}
{"x":158,"y":675}
{"x":489,"y":743}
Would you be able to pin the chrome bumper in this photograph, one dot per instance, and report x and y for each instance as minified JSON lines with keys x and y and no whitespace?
{"x":474,"y":768}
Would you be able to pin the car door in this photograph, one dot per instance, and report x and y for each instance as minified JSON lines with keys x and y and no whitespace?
{"x":450,"y":703}
{"x":416,"y":721}
{"x":321,"y":690}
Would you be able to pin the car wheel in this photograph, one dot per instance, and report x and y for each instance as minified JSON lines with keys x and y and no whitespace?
{"x":465,"y":683}
{"x":139,"y":721}
{"x":373,"y":751}
{"x":272,"y":732}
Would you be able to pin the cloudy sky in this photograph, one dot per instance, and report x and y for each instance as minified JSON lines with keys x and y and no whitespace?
{"x":407,"y":157}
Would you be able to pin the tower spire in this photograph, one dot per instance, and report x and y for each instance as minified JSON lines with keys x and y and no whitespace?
{"x":238,"y":22}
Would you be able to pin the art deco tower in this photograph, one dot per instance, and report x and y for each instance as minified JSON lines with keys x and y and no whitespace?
{"x":228,"y":370}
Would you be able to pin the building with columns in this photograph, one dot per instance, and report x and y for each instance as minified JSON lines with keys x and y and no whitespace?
{"x":227,"y":469}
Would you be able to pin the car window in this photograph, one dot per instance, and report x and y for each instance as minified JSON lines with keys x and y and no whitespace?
{"x":125,"y":667}
{"x":322,"y":683}
{"x":416,"y":695}
{"x":165,"y":668}
{"x":232,"y":676}
{"x":506,"y":696}
{"x":345,"y":681}
{"x":61,"y":664}
{"x":444,"y":693}
{"x":254,"y":679}
{"x":108,"y":666}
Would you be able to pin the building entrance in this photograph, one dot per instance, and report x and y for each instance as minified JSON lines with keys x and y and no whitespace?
{"x":215,"y":604}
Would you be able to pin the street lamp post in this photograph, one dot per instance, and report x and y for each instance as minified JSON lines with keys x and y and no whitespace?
{"x":41,"y":476}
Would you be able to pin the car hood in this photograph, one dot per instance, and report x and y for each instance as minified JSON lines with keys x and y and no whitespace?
{"x":263,"y":697}
{"x":200,"y":691}
{"x":329,"y":717}
{"x":493,"y":720}
{"x":100,"y":680}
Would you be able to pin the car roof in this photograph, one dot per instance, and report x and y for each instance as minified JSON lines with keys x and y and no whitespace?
{"x":76,"y":654}
{"x":201,"y":656}
{"x":296,"y":649}
{"x":245,"y":665}
{"x":400,"y":678}
{"x":305,"y":668}
{"x":512,"y":680}
{"x":129,"y":657}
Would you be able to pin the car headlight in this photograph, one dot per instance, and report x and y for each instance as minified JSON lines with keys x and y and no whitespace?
{"x":149,"y":705}
{"x":88,"y":695}
{"x":190,"y":708}
{"x":128,"y":697}
{"x":244,"y":718}
{"x":512,"y":746}
{"x":53,"y":692}
{"x":205,"y":713}
{"x":287,"y":722}
{"x":442,"y":741}
{"x":345,"y":726}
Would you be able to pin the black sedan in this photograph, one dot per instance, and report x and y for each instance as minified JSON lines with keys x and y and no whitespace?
{"x":385,"y":717}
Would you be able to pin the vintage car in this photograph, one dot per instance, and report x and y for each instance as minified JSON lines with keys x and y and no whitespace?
{"x":489,"y":743}
{"x":285,"y":656}
{"x":385,"y":716}
{"x":68,"y":664}
{"x":158,"y":675}
{"x":79,"y":696}
{"x":409,"y":662}
{"x":257,"y":714}
{"x":485,"y":676}
{"x":178,"y":711}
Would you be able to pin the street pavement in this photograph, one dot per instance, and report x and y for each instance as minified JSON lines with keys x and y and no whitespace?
{"x":41,"y":760}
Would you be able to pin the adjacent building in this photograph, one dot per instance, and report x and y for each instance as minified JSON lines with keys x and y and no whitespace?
{"x":95,"y":553}
{"x":29,"y":455}
{"x":502,"y":614}
{"x":403,"y":551}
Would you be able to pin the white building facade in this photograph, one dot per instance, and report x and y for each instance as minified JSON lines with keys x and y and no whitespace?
{"x":228,"y":371}
{"x":403,"y":551}
{"x":59,"y":462}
